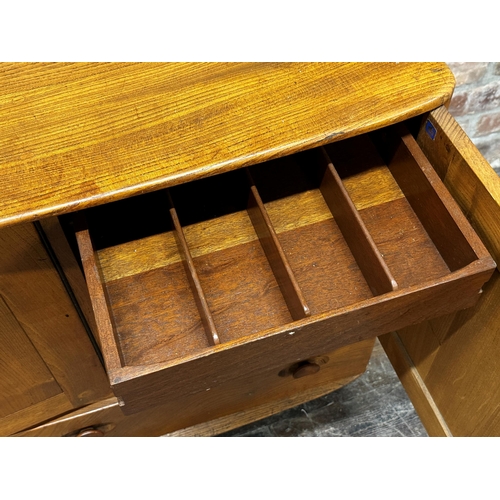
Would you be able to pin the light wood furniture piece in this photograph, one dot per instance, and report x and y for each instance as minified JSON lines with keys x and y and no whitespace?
{"x":190,"y":247}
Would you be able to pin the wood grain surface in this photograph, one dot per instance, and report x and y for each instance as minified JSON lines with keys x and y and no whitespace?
{"x":244,"y":297}
{"x":194,"y":282}
{"x":72,"y":271}
{"x":83,"y":134}
{"x":467,"y":175}
{"x":35,"y":295}
{"x":241,"y":291}
{"x":239,"y":278}
{"x":457,"y":356}
{"x":102,"y":313}
{"x":369,"y":260}
{"x":47,"y":363}
{"x":276,"y":256}
{"x":437,"y":210}
{"x":408,"y":250}
{"x":371,"y":187}
{"x":145,"y":386}
{"x":240,"y":402}
{"x":412,"y":381}
{"x":238,"y":283}
{"x":21,"y":387}
{"x":36,"y":413}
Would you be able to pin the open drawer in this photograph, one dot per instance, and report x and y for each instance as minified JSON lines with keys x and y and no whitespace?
{"x":257,"y":271}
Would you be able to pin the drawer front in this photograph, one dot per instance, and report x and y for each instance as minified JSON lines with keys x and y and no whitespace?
{"x":244,"y":274}
{"x":96,"y":420}
{"x":228,"y":406}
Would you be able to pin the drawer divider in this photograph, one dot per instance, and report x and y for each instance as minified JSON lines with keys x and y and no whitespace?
{"x":194,"y":281}
{"x":275,"y":254}
{"x":365,"y":251}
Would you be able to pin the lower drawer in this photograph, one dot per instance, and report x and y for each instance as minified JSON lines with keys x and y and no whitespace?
{"x":218,"y":411}
{"x":229,"y":281}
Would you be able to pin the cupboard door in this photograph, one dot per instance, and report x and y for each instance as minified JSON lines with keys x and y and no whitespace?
{"x":450,"y":366}
{"x":47,"y":362}
{"x":32,"y":386}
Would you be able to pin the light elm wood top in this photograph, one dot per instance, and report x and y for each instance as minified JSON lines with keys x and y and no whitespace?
{"x":79,"y":135}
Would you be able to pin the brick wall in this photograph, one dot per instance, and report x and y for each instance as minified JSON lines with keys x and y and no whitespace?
{"x":476,"y":106}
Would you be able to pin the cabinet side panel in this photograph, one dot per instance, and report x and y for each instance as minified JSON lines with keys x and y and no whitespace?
{"x":467,"y":175}
{"x":461,"y":365}
{"x":464,"y":377}
{"x":461,"y":373}
{"x":414,"y":385}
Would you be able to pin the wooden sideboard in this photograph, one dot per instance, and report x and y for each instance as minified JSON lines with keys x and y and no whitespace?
{"x":191,"y":247}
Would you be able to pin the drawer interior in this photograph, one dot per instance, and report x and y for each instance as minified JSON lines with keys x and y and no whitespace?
{"x":223,"y":258}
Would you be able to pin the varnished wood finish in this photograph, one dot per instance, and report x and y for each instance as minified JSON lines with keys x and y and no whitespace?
{"x":306,"y":369}
{"x":194,"y":281}
{"x":367,"y":189}
{"x":466,"y":355}
{"x":393,"y":226}
{"x":242,"y":291}
{"x":456,"y":356}
{"x":76,"y":136}
{"x":54,"y":233}
{"x":252,"y":414}
{"x":146,"y":386}
{"x":105,"y":328}
{"x":79,"y":135}
{"x":414,"y":385}
{"x":21,"y":387}
{"x":276,"y":256}
{"x":371,"y":263}
{"x":473,"y":183}
{"x":364,"y":172}
{"x":324,"y":265}
{"x":155,"y":316}
{"x":420,"y":261}
{"x":207,"y":413}
{"x":33,"y":291}
{"x":249,"y":311}
{"x":436,"y":209}
{"x":103,"y":414}
{"x":35,"y":414}
{"x":49,"y":364}
{"x":90,"y":432}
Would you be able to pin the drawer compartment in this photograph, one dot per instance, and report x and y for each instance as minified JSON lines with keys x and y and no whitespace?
{"x":251,"y":271}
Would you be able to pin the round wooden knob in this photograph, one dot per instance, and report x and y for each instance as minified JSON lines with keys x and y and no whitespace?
{"x":305,"y":369}
{"x":90,"y":432}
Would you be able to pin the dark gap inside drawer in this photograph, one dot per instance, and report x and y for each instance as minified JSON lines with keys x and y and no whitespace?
{"x":319,"y":256}
{"x":130,"y":219}
{"x":397,"y":231}
{"x":239,"y":285}
{"x":121,"y":221}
